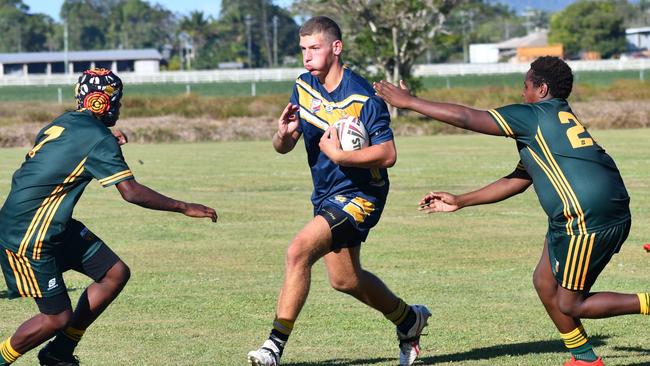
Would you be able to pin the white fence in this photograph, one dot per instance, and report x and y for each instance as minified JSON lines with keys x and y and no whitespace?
{"x":287,"y":74}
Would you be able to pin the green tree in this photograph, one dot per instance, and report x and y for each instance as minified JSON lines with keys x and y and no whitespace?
{"x":473,"y":21}
{"x":87,"y":23}
{"x":22,"y":31}
{"x":589,"y":26}
{"x":103,"y":24}
{"x":232,"y":32}
{"x":389,"y":35}
{"x":199,"y":29}
{"x":137,"y":24}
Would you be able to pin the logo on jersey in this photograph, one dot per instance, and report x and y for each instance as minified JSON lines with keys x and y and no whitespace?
{"x":315,"y":105}
{"x":52,"y":284}
{"x":87,"y":235}
{"x":340,"y":198}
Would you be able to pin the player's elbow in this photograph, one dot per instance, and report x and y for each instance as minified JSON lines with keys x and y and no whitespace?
{"x":129,"y":191}
{"x":389,"y":160}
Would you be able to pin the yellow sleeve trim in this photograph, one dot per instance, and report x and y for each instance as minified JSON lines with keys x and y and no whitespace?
{"x":115,"y":177}
{"x":501,"y":122}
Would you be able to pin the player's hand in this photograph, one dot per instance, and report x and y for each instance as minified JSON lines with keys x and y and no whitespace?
{"x":330,"y":145}
{"x":288,"y":122}
{"x":397,"y":97}
{"x":120,"y":136}
{"x":439,"y":202}
{"x":197,"y":210}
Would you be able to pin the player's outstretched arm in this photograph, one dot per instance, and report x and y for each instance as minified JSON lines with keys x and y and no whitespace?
{"x":284,"y":140}
{"x":382,"y":155}
{"x":506,"y":187}
{"x":146,"y":197}
{"x":452,"y":114}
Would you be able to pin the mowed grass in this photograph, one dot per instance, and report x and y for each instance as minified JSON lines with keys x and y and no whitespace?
{"x":204,"y":294}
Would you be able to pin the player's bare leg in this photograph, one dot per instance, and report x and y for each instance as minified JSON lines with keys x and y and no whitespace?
{"x":346,"y":275}
{"x":33,"y":332}
{"x":99,"y":295}
{"x":309,"y":245}
{"x":92,"y":302}
{"x":566,"y":308}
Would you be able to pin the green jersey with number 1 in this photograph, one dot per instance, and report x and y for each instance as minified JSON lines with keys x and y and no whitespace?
{"x":68,"y":153}
{"x":576,"y":181}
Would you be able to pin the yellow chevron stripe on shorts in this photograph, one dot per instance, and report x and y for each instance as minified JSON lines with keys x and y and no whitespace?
{"x":359,"y":208}
{"x":577,"y":262}
{"x":25,"y":278}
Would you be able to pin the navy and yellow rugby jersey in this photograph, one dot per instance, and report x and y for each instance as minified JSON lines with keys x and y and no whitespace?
{"x":67,"y":155}
{"x":576,"y":181}
{"x":319,"y":110}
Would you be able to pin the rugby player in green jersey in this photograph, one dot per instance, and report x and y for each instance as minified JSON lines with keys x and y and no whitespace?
{"x":39,"y":239}
{"x":578,"y":186}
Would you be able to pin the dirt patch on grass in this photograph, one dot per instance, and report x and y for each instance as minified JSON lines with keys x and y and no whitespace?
{"x":171,"y":128}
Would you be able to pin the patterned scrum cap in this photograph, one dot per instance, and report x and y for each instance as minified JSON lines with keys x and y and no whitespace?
{"x":99,"y":91}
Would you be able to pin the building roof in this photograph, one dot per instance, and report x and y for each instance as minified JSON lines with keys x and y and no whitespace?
{"x":637,"y":30}
{"x":534,"y":39}
{"x":76,"y":56}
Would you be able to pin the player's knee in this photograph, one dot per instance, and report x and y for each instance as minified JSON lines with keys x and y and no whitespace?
{"x":297,"y":255}
{"x":569,"y":307}
{"x":345,"y":285}
{"x":544,"y":286}
{"x":118,"y":275}
{"x":540,"y":284}
{"x":56,"y":322}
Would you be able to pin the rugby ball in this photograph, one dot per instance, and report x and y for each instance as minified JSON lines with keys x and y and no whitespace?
{"x":352,"y":134}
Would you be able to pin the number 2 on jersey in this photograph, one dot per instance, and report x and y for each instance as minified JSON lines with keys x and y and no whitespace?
{"x":51,"y":133}
{"x":573,"y":133}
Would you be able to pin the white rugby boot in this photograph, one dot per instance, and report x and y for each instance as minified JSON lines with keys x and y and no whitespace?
{"x":409,"y":343}
{"x":265,"y":355}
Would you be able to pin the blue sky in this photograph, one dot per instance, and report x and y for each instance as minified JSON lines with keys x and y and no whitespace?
{"x":184,"y":7}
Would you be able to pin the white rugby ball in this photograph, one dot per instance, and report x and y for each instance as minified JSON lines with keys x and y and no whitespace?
{"x":352,"y":134}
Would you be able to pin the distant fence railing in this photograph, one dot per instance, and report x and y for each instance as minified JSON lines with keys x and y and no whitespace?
{"x":287,"y":74}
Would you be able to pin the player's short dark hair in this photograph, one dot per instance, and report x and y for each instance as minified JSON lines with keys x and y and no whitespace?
{"x":555,"y":73}
{"x":323,"y":25}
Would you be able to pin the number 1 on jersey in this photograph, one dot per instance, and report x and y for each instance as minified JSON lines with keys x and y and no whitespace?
{"x":573,"y":132}
{"x":51,"y":133}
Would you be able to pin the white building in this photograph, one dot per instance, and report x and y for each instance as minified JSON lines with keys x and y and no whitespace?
{"x":639,"y":38}
{"x":506,"y":50}
{"x":145,"y":61}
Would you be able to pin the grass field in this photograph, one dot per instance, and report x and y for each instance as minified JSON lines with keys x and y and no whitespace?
{"x":204,"y":294}
{"x":49,"y":93}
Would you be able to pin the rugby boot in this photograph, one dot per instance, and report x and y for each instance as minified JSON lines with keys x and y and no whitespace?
{"x":574,"y":362}
{"x":409,"y":343}
{"x":265,"y":355}
{"x":47,"y":357}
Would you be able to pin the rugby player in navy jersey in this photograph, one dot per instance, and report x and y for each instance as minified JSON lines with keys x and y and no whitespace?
{"x":577,"y":183}
{"x":350,"y":189}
